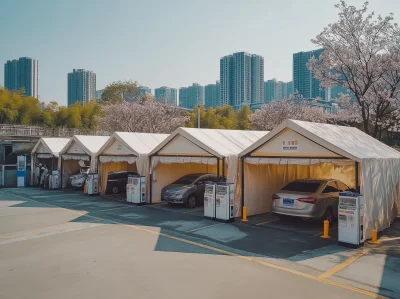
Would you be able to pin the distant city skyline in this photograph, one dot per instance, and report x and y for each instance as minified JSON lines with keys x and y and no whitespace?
{"x":178,"y":51}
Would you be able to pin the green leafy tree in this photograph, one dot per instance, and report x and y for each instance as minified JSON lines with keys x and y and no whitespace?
{"x":120,"y":91}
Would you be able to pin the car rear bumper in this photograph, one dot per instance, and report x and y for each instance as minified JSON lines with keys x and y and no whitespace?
{"x":313,"y":214}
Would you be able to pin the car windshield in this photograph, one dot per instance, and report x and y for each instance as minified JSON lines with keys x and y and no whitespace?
{"x":302,"y":186}
{"x":188,"y":179}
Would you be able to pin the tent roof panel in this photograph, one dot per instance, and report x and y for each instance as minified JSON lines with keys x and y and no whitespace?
{"x":89,"y":144}
{"x":53,"y":145}
{"x":220,"y":143}
{"x":137,"y":143}
{"x":347,"y":141}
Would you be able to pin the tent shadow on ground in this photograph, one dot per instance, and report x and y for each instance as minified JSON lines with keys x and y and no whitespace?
{"x":245,"y":239}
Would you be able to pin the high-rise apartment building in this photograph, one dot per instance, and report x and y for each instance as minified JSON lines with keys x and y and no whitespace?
{"x":22,"y":73}
{"x":143,"y":90}
{"x":191,"y":96}
{"x":212,"y":96}
{"x":303,"y":79}
{"x":81,"y":86}
{"x":277,"y":90}
{"x":242,"y":79}
{"x":166,"y":95}
{"x":289,"y":88}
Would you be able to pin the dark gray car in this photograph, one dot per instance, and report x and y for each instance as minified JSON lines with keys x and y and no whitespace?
{"x":189,"y":189}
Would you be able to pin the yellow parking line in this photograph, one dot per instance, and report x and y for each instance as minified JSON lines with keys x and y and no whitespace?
{"x":247,"y":258}
{"x":389,"y":239}
{"x":203,"y":227}
{"x":270,"y":221}
{"x":260,"y":262}
{"x":343,"y":265}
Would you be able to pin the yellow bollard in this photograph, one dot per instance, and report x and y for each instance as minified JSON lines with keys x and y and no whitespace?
{"x":326,"y":230}
{"x":374,"y":239}
{"x":244,"y":218}
{"x":84,"y":189}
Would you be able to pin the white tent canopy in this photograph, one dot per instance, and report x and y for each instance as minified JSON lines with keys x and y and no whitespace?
{"x":80,"y":147}
{"x":310,"y":144}
{"x":46,"y":148}
{"x":191,"y":147}
{"x":49,"y":146}
{"x":127,"y":148}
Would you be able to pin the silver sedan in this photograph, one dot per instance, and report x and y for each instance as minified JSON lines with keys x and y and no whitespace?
{"x":309,"y":199}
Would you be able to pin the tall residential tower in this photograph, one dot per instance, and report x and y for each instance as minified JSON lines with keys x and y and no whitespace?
{"x":81,"y":86}
{"x":212,"y":96}
{"x":191,"y":96}
{"x":303,"y":79}
{"x":22,"y":73}
{"x":242,"y":79}
{"x":166,"y":95}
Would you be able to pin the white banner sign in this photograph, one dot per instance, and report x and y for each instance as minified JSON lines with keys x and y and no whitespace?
{"x":290,"y":146}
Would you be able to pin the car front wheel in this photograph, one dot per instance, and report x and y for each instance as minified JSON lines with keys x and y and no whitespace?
{"x":191,"y":202}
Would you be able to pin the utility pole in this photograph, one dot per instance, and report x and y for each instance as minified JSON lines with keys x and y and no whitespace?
{"x":198,"y":116}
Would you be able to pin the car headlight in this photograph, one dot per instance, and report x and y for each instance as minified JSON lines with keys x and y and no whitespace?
{"x":181,"y":192}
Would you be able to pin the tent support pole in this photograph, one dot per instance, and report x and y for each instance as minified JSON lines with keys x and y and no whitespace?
{"x":151,"y":183}
{"x":217,"y":167}
{"x":356,"y":178}
{"x":223,"y":167}
{"x":242,"y":172}
{"x":61,"y":172}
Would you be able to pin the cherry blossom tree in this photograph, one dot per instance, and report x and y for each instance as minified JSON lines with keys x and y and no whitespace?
{"x":272,"y":114}
{"x":147,"y":116}
{"x":362,"y":54}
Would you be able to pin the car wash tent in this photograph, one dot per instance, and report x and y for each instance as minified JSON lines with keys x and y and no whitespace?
{"x":189,"y":150}
{"x":46,"y":153}
{"x":127,"y":151}
{"x":79,"y":148}
{"x":298,"y":149}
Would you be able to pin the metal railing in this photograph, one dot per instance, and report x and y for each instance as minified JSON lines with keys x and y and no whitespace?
{"x":36,"y":131}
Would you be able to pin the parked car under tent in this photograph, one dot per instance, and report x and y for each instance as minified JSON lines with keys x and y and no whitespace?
{"x":298,"y":150}
{"x":80,"y":149}
{"x":127,"y":151}
{"x":191,"y":150}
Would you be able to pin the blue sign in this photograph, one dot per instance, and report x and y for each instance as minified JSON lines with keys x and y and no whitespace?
{"x":21,"y":171}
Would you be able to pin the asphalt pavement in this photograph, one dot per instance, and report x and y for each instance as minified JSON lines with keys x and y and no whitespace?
{"x":57,"y":244}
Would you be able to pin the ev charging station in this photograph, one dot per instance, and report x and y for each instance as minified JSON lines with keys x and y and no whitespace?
{"x":209,"y":200}
{"x":219,"y":201}
{"x":21,"y":171}
{"x":351,"y":220}
{"x":136,"y":189}
{"x":224,"y":202}
{"x":92,"y":184}
{"x":54,"y":180}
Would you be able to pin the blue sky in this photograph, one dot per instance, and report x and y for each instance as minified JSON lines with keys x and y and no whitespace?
{"x":156,"y":43}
